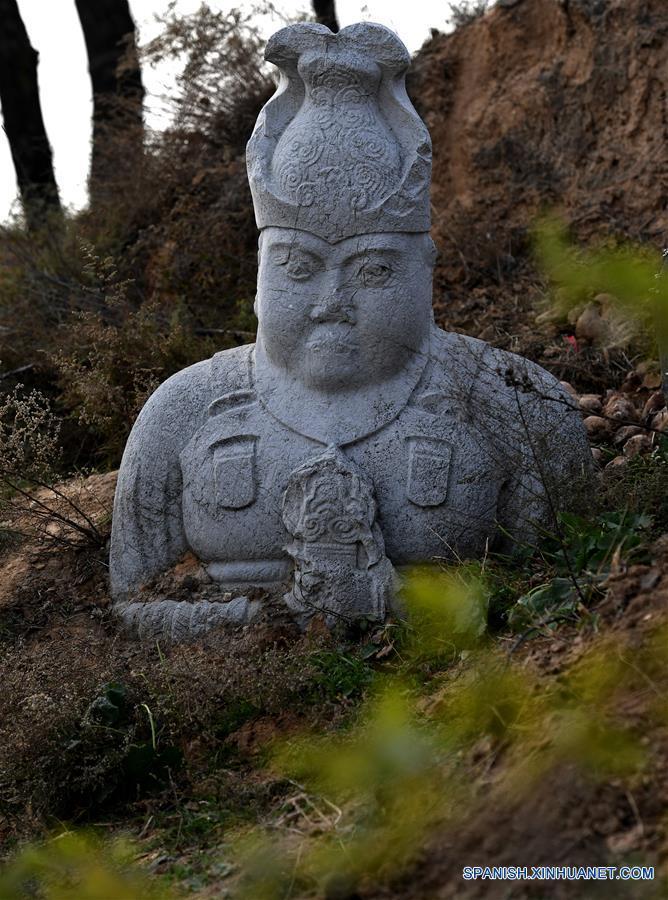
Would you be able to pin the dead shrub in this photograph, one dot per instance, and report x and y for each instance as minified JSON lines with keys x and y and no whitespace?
{"x":222,"y":77}
{"x":466,"y":11}
{"x":115,"y":356}
{"x":31,"y":502}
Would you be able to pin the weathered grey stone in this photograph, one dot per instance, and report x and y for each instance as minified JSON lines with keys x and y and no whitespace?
{"x":176,"y":620}
{"x":354,"y":438}
{"x":341,"y":570}
{"x":339,"y":149}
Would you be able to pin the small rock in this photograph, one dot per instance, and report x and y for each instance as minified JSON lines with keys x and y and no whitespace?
{"x":617,"y":462}
{"x":641,"y":443}
{"x":626,"y":432}
{"x":650,"y":372}
{"x":652,"y":380}
{"x":590,"y":403}
{"x":596,"y":427}
{"x":631,"y":383}
{"x":650,"y":580}
{"x":568,"y":387}
{"x":654,"y":403}
{"x":621,"y":408}
{"x":590,"y":325}
{"x":660,"y":421}
{"x":606,"y":301}
{"x":597,"y":454}
{"x":574,"y":312}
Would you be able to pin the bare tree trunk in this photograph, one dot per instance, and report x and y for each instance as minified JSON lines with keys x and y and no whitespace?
{"x":662,"y":327}
{"x":325,"y":13}
{"x":118,"y":92}
{"x":23,"y":122}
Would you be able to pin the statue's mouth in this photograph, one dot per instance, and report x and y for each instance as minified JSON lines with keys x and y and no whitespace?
{"x":332,"y":339}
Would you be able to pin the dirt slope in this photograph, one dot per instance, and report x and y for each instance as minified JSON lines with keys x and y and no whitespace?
{"x":543,"y":104}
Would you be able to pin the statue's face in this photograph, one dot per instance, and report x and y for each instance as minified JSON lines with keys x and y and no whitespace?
{"x":346,"y":314}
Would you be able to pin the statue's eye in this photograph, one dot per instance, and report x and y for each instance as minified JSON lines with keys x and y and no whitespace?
{"x":299,"y":267}
{"x":374,"y":274}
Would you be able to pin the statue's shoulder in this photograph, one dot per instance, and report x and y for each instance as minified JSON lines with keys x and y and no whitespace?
{"x":181,"y":402}
{"x":456,"y":363}
{"x":230,"y":370}
{"x":487,"y":383}
{"x":225,"y":371}
{"x":486,"y":369}
{"x":455,"y":351}
{"x":514,"y":402}
{"x":516,"y":375}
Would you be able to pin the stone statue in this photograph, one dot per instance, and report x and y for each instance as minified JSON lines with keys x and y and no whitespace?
{"x":354,"y":437}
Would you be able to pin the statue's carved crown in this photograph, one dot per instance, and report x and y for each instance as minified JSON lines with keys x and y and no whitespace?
{"x":339,"y":149}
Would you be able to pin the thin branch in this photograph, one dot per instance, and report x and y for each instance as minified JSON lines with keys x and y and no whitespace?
{"x":91,"y":534}
{"x":18,"y":371}
{"x":549,"y":499}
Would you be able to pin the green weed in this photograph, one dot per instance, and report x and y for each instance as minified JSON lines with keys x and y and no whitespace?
{"x":339,"y":674}
{"x":577,"y":560}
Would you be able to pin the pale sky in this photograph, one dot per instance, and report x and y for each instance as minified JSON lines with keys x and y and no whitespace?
{"x":65,"y":91}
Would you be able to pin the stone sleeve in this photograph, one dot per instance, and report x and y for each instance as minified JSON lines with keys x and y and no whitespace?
{"x":540,"y":443}
{"x":147,"y":532}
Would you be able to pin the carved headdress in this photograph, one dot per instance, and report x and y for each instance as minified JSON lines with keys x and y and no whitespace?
{"x":339,"y":149}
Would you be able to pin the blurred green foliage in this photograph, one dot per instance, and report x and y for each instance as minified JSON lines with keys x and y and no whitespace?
{"x":444,"y":613}
{"x":368,"y":794}
{"x":80,"y":866}
{"x":629,"y":274}
{"x":401,"y":770}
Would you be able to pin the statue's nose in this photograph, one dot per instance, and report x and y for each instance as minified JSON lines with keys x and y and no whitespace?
{"x":333,"y":308}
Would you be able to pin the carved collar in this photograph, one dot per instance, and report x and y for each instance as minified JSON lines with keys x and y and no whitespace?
{"x":333,"y":419}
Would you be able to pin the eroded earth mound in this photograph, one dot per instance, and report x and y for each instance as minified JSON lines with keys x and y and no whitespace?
{"x":541,"y":105}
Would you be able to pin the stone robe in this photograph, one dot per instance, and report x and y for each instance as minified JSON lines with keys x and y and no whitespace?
{"x":480,"y":454}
